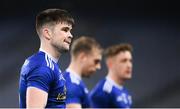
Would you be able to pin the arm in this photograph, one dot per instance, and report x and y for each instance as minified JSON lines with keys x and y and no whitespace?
{"x":36,"y":98}
{"x":37,"y":88}
{"x":74,"y":95}
{"x":74,"y":105}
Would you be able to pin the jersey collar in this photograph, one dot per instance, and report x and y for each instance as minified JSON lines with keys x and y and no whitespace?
{"x":73,"y":73}
{"x":50,"y":56}
{"x":114,"y":83}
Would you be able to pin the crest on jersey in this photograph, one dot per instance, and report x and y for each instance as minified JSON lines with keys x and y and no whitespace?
{"x":62,"y":96}
{"x":61,"y":77}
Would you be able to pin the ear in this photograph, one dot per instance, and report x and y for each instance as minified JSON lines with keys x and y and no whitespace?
{"x":47,"y":33}
{"x":109,"y":62}
{"x":82,"y":56}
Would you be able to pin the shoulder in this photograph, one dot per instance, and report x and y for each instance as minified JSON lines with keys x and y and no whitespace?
{"x":111,"y":87}
{"x":100,"y":92}
{"x":98,"y":89}
{"x":107,"y":87}
{"x":34,"y":63}
{"x":72,"y":83}
{"x":41,"y":72}
{"x":103,"y":86}
{"x":40,"y":60}
{"x":37,"y":65}
{"x":71,"y":79}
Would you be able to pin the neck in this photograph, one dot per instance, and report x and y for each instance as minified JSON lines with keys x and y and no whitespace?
{"x":74,"y":68}
{"x":50,"y":50}
{"x":115,"y":78}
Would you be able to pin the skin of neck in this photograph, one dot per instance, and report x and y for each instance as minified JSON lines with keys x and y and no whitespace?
{"x":73,"y":66}
{"x":115,"y":78}
{"x":50,"y":49}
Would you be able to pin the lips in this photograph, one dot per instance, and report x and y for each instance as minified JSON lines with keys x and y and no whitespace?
{"x":129,"y":71}
{"x":67,"y":41}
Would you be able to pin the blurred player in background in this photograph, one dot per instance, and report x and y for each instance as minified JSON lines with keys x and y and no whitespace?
{"x":86,"y":55}
{"x":110,"y":92}
{"x":41,"y":82}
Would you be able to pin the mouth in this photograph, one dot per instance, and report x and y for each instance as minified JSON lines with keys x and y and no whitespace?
{"x":128,"y":71}
{"x":67,"y":41}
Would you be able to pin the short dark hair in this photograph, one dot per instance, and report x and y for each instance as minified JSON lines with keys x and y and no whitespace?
{"x":115,"y":49}
{"x":51,"y":17}
{"x":84,"y":44}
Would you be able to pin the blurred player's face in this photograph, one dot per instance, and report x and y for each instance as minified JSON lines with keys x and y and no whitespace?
{"x":122,"y":65}
{"x":92,"y":63}
{"x":61,"y":36}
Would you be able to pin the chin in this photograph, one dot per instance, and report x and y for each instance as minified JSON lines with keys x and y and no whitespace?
{"x":62,"y":50}
{"x":128,"y":77}
{"x":66,"y":49}
{"x":86,"y":76}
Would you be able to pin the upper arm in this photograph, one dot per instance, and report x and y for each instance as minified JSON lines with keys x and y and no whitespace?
{"x":99,"y":99}
{"x":40,"y":78}
{"x":38,"y":83}
{"x":36,"y":98}
{"x":74,"y":95}
{"x":73,"y":105}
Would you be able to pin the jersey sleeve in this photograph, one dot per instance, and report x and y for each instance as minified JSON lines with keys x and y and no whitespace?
{"x":41,"y":78}
{"x":74,"y":93}
{"x":99,"y":99}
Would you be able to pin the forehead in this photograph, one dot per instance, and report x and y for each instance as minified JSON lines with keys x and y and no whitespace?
{"x":96,"y":53}
{"x":63,"y":25}
{"x":124,"y":54}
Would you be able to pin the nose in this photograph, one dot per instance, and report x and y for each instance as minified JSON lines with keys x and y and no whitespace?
{"x":70,"y":35}
{"x":130,"y":65}
{"x":98,"y":66}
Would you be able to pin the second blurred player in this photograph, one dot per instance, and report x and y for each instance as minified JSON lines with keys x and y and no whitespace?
{"x":86,"y":54}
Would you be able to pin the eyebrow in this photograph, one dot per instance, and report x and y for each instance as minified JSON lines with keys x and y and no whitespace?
{"x":66,"y":28}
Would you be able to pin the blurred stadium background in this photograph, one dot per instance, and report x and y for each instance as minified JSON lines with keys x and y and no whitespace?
{"x":152,"y":27}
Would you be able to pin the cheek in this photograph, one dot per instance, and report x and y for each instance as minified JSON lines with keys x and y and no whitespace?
{"x":85,"y":66}
{"x":60,"y":34}
{"x":90,"y":66}
{"x":64,"y":34}
{"x":119,"y":68}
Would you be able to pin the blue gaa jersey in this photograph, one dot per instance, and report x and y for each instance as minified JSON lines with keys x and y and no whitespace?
{"x":108,"y":94}
{"x":77,"y":91}
{"x":42,"y":72}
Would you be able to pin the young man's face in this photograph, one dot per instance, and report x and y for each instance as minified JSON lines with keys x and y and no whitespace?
{"x":92,"y":63}
{"x":61,"y":36}
{"x":122,"y":65}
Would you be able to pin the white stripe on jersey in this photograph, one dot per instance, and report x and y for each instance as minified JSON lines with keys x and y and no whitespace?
{"x":74,"y":79}
{"x":26,"y":62}
{"x":107,"y":87}
{"x":52,"y":65}
{"x":49,"y":62}
{"x":46,"y":57}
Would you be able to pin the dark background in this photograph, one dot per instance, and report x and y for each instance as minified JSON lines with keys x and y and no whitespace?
{"x":152,"y":27}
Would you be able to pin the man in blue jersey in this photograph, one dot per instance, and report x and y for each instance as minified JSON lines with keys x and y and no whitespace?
{"x":85,"y":60}
{"x":42,"y":84}
{"x":109,"y":92}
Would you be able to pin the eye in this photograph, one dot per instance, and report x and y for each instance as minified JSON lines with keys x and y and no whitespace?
{"x":66,"y":29}
{"x":124,"y":60}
